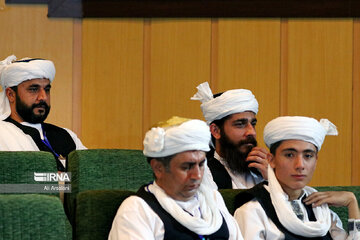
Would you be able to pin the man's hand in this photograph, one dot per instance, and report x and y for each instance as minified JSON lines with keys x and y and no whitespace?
{"x":336,"y":199}
{"x":258,"y":159}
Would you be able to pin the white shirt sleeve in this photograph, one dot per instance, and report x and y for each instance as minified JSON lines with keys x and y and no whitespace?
{"x":337,"y":231}
{"x":254,"y":223}
{"x":78,"y":143}
{"x":136,"y":220}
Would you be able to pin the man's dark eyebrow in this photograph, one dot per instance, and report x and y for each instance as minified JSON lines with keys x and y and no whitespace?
{"x":241,"y":120}
{"x":193,"y":163}
{"x":309,"y":151}
{"x":289,"y":149}
{"x":245,"y":120}
{"x":294,"y":150}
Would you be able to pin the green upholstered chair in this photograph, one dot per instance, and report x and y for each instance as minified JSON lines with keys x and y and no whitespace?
{"x":97,"y":209}
{"x":19,"y":167}
{"x":33,"y":216}
{"x":95,"y":212}
{"x":105,"y":169}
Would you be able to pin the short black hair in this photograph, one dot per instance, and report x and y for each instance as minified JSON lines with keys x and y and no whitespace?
{"x":14,"y":88}
{"x":218,"y":122}
{"x":164,"y":160}
{"x":274,"y":146}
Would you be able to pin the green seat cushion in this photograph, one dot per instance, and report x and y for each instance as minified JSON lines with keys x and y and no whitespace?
{"x":33,"y":216}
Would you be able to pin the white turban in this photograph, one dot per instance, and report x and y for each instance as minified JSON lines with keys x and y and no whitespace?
{"x":298,"y":128}
{"x":190,"y":135}
{"x":230,"y":102}
{"x":12,"y":73}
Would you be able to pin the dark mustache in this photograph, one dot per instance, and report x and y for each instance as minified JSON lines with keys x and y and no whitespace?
{"x":249,"y":140}
{"x":40,"y":104}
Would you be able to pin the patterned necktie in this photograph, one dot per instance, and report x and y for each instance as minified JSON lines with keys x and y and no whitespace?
{"x":297,"y":210}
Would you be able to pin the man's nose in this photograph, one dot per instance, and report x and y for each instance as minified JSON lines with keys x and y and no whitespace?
{"x":42,"y":95}
{"x":299,"y":162}
{"x":196,"y":173}
{"x":250,"y":130}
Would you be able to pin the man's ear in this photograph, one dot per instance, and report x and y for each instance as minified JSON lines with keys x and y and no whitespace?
{"x":215,"y":131}
{"x":271,"y":159}
{"x":157,"y":167}
{"x":10,"y":94}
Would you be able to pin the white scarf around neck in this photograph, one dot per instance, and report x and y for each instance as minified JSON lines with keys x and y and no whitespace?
{"x":289,"y":219}
{"x":211,"y":220}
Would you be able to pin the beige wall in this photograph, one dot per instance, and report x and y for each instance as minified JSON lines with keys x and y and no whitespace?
{"x":117,"y":77}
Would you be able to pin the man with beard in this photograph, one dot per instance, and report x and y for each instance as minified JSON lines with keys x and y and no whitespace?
{"x":24,"y":106}
{"x":235,"y":161}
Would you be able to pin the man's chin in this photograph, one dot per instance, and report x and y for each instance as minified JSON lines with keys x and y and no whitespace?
{"x":246,"y":149}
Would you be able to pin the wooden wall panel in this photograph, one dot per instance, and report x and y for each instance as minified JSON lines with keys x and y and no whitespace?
{"x":320,"y":86}
{"x":355,"y":167}
{"x":27,"y":32}
{"x":179,"y":61}
{"x":112,"y":83}
{"x":249,"y":57}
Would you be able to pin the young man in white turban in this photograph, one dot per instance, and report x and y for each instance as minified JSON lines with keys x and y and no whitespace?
{"x":236,"y":162}
{"x":24,"y":106}
{"x":178,"y":204}
{"x":286,"y":208}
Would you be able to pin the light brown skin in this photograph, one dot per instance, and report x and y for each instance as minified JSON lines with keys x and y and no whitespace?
{"x":30,"y":92}
{"x":183,"y":176}
{"x":294,"y":164}
{"x":237,"y":127}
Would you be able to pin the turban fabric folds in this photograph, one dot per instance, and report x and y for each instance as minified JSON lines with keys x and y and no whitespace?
{"x":187,"y":136}
{"x":298,"y":128}
{"x":230,"y":102}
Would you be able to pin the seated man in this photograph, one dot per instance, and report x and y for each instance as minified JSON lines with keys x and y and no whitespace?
{"x":178,"y":204}
{"x":236,"y":161}
{"x":286,"y":208}
{"x":24,"y":106}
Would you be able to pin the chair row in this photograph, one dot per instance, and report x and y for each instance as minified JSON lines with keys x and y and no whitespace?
{"x":100,"y":180}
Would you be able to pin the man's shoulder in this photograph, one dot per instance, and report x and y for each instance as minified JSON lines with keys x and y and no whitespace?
{"x":50,"y":126}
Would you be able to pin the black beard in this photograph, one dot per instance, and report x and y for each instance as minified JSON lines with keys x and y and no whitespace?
{"x":27,"y":113}
{"x":234,"y":157}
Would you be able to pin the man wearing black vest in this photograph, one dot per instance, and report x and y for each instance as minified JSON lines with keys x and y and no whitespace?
{"x":235,"y":160}
{"x":24,"y":106}
{"x":179,"y":204}
{"x":285,"y":208}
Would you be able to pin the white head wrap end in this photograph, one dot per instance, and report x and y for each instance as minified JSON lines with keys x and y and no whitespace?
{"x":230,"y":102}
{"x":12,"y":73}
{"x":298,"y":128}
{"x":190,"y":135}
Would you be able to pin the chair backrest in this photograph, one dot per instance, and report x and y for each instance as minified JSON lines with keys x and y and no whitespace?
{"x":95,"y":212}
{"x":105,"y":169}
{"x":17,"y":172}
{"x":98,"y":169}
{"x":33,"y":216}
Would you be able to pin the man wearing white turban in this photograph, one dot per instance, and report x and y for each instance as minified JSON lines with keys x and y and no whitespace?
{"x":236,"y":162}
{"x":286,"y":208}
{"x":178,"y":204}
{"x":24,"y":106}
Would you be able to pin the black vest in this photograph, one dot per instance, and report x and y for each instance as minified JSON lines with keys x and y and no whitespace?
{"x":220,"y":176}
{"x":59,"y":138}
{"x":173,"y":229}
{"x":263,"y":197}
